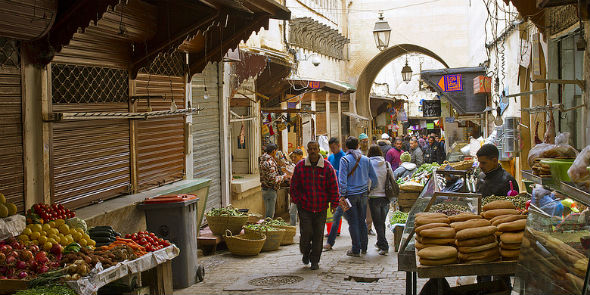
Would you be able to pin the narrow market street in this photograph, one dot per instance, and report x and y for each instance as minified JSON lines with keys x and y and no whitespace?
{"x":338,"y":274}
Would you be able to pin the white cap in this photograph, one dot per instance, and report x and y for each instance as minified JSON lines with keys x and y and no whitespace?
{"x":384,"y":136}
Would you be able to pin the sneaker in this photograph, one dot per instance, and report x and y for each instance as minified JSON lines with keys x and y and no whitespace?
{"x":383,"y":252}
{"x":371,"y":232}
{"x":376,"y":247}
{"x":350,"y":253}
{"x":305,"y":260}
{"x":314,"y":266}
{"x":327,"y":247}
{"x":363,"y":251}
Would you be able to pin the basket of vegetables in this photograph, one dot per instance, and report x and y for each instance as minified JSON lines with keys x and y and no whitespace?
{"x":290,"y":230}
{"x":274,"y":235}
{"x":220,"y":219}
{"x":248,"y":244}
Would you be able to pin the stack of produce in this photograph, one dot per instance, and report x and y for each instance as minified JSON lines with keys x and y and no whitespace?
{"x":54,"y":233}
{"x":418,"y":179}
{"x":476,"y":241}
{"x":43,"y":213}
{"x":432,"y":229}
{"x":6,"y":209}
{"x":20,"y":262}
{"x":103,"y":235}
{"x":147,"y":240}
{"x":398,"y":217}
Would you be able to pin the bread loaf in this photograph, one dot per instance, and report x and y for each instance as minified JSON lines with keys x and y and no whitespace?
{"x":458,"y":226}
{"x":506,"y":218}
{"x":480,"y":248}
{"x":512,"y":226}
{"x":478,"y":232}
{"x":498,"y":233}
{"x":490,"y":253}
{"x":431,"y":262}
{"x":421,"y":246}
{"x":430,"y":214}
{"x":438,"y":232}
{"x":512,"y":238}
{"x":476,"y":241}
{"x":464,"y":217}
{"x":500,"y":204}
{"x":438,"y":252}
{"x":438,"y":241}
{"x":510,"y":246}
{"x":509,"y":253}
{"x":497,"y":212}
{"x":431,"y":225}
{"x":427,"y":220}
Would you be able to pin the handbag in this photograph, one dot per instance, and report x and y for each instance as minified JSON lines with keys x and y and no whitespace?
{"x":391,"y":186}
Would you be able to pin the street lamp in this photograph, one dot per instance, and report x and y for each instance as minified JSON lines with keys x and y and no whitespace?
{"x":381,"y":32}
{"x":406,"y":72}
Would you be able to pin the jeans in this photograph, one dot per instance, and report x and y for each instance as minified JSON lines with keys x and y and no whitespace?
{"x":379,"y":208}
{"x":311,"y":233}
{"x":356,"y":222}
{"x":336,"y":219}
{"x":270,"y":199}
{"x":293,"y":214}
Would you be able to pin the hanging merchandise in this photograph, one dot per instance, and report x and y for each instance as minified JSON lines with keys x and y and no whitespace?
{"x":242,"y":138}
{"x":289,"y":124}
{"x":270,"y":131}
{"x":402,"y":116}
{"x":281,"y":126}
{"x":265,"y":130}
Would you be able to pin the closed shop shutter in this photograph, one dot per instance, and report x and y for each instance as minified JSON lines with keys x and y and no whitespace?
{"x":11,"y":132}
{"x":90,"y":159}
{"x":160,"y":142}
{"x":206,"y":131}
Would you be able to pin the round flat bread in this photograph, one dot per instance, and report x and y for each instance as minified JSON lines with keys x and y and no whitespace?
{"x":498,"y":233}
{"x":438,"y":241}
{"x":506,"y":218}
{"x":431,"y":225}
{"x":487,"y":260}
{"x":507,"y":246}
{"x":497,"y":212}
{"x":464,"y":217}
{"x":512,"y":226}
{"x":427,"y":220}
{"x":494,"y":252}
{"x":477,"y":232}
{"x":438,"y":232}
{"x":421,"y":246}
{"x":500,"y":204}
{"x":476,"y":241}
{"x":431,"y":262}
{"x":470,"y":224}
{"x":430,"y":214}
{"x":512,"y":238}
{"x":438,"y":252}
{"x":509,"y":253}
{"x":480,"y":248}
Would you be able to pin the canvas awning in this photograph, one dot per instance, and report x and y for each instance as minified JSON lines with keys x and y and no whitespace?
{"x":324,"y":84}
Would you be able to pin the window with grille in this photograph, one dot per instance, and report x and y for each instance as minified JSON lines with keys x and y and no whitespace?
{"x":166,"y":64}
{"x":9,"y":55}
{"x":88,"y":84}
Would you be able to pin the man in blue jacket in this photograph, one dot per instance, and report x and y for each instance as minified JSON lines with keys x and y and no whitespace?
{"x":353,"y":178}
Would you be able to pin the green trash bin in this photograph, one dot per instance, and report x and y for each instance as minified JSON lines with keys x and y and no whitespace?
{"x":174,"y":218}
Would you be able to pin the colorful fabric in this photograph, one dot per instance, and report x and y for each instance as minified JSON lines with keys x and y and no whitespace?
{"x":314,"y":188}
{"x":269,"y":172}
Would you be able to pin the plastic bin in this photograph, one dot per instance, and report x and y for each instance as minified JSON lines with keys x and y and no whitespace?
{"x":174,"y":217}
{"x":559,"y":169}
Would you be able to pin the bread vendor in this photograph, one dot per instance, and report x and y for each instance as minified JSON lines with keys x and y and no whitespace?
{"x":493,"y":180}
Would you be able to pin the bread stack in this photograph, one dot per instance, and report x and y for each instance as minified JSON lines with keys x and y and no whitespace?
{"x":475,"y":239}
{"x":511,"y":238}
{"x":438,"y":255}
{"x":499,"y":209}
{"x":433,"y":229}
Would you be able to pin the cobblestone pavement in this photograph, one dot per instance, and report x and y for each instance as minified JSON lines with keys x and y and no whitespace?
{"x":228,"y":274}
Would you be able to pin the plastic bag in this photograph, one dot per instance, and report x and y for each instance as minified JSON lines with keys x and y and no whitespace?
{"x":561,"y":149}
{"x":578,"y":172}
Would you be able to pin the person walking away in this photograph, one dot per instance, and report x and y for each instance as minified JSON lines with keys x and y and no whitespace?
{"x":353,"y":181}
{"x":433,"y":153}
{"x":406,"y":168}
{"x":334,"y":160}
{"x":416,"y":152}
{"x":378,"y":202}
{"x":384,"y":143}
{"x":314,"y":188}
{"x":295,"y":156}
{"x":270,"y":178}
{"x":364,"y":143}
{"x":393,"y":154}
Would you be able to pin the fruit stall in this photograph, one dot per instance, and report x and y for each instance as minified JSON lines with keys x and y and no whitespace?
{"x":51,"y":251}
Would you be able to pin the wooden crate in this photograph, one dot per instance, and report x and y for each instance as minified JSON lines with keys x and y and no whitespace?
{"x":406,"y":200}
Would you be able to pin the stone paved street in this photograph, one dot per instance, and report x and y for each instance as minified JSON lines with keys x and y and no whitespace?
{"x":227,"y":274}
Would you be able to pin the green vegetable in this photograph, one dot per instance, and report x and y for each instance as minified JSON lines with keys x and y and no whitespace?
{"x":72,"y":248}
{"x":398,"y":217}
{"x":76,"y":222}
{"x":261,"y":227}
{"x":275,"y":222}
{"x":405,"y":157}
{"x":48,"y":290}
{"x":227,"y":211}
{"x":48,"y":278}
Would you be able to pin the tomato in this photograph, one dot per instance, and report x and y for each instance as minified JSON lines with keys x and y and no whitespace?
{"x":60,"y":206}
{"x":153,"y":235}
{"x":143,"y":241}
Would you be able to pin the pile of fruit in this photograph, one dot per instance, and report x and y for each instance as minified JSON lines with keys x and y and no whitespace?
{"x":54,"y":233}
{"x":6,"y":209}
{"x":20,"y":262}
{"x":43,"y":213}
{"x":227,"y":211}
{"x":275,"y":222}
{"x":148,"y":240}
{"x":398,"y":217}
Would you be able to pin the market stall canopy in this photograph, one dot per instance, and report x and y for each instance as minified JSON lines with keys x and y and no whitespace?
{"x":27,"y":19}
{"x":323,"y":84}
{"x":272,"y":81}
{"x":356,"y":116}
{"x":457,"y":86}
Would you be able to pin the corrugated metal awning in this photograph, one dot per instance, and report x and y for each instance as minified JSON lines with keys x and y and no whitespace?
{"x":324,"y":84}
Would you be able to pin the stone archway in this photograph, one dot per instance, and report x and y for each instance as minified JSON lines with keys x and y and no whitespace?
{"x":372,"y":69}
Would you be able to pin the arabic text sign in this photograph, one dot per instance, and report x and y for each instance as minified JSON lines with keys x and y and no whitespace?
{"x":451,"y":83}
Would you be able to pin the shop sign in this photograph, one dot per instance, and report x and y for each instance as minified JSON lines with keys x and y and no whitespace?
{"x":429,"y":126}
{"x":482,"y":84}
{"x":451,"y":83}
{"x":313,"y":84}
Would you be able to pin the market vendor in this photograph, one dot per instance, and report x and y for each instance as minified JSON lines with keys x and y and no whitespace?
{"x":493,"y":180}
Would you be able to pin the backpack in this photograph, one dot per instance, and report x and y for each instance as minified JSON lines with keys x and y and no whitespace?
{"x":391,"y":186}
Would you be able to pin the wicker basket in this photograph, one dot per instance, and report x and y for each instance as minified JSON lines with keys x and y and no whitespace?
{"x":273,"y":238}
{"x":219,"y":224}
{"x":289,"y":234}
{"x":248,"y":244}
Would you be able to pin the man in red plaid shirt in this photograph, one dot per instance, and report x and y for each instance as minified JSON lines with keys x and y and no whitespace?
{"x":313,"y":188}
